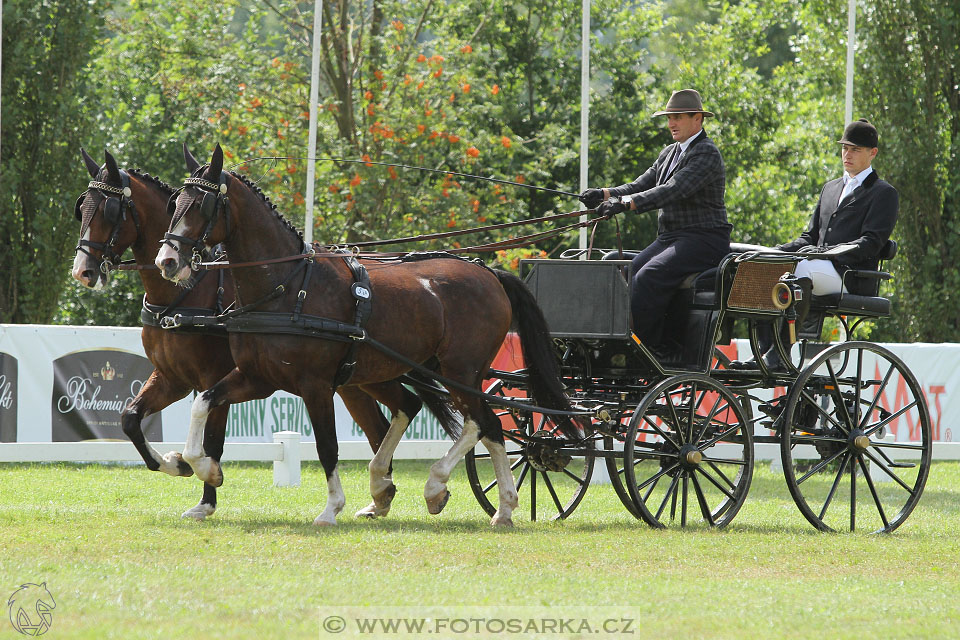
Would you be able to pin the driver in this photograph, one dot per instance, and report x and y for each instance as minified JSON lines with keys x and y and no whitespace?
{"x":686,"y":184}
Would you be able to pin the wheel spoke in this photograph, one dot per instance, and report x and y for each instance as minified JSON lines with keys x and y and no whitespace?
{"x":650,"y":489}
{"x":721,"y":474}
{"x":487,"y":488}
{"x":704,"y":507}
{"x":553,"y":492}
{"x":833,"y":489}
{"x":853,"y":494}
{"x":660,"y":431}
{"x":691,"y":414}
{"x":820,"y":465}
{"x":823,"y":412}
{"x":879,"y":393}
{"x":683,"y":501}
{"x":873,"y":492}
{"x":809,"y":437}
{"x":893,"y":416}
{"x":720,"y":437}
{"x":533,"y":495}
{"x":657,"y":476}
{"x":666,"y":498}
{"x":673,"y":414}
{"x":856,"y":405}
{"x":890,"y":473}
{"x":880,"y":444}
{"x":739,"y":463}
{"x":580,"y":481}
{"x":522,"y":476}
{"x":709,"y":418}
{"x":717,"y":485}
{"x":838,"y":398}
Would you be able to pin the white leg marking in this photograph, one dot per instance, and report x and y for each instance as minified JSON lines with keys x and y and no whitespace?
{"x":199,"y":512}
{"x":381,"y":484}
{"x":508,"y":491}
{"x":435,"y":492}
{"x":335,"y":501}
{"x":206,"y":468}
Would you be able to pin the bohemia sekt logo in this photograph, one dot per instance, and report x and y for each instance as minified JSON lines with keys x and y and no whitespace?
{"x":30,"y":608}
{"x":91,"y":388}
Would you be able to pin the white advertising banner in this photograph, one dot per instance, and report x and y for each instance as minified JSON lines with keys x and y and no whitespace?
{"x":68,"y":384}
{"x":60,"y":383}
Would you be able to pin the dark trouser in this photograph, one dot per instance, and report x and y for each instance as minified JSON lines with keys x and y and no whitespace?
{"x":657,"y":272}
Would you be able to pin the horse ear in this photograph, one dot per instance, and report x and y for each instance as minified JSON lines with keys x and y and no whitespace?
{"x":92,"y":167}
{"x":112,"y":170}
{"x":192,"y":162}
{"x":216,"y":164}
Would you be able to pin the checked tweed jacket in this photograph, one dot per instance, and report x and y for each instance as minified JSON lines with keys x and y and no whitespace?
{"x":689,"y":197}
{"x":865,"y":218}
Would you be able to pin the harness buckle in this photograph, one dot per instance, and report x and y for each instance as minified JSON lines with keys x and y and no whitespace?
{"x":171,"y":322}
{"x":359,"y":337}
{"x":301,"y":295}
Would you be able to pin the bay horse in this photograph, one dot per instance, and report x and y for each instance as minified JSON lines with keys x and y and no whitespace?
{"x":449,"y":315}
{"x":190,"y":360}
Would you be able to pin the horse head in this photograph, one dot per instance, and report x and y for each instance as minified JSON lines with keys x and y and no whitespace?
{"x":200,"y":216}
{"x":108,"y":221}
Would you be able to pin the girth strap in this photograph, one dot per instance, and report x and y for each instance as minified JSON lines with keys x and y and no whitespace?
{"x":360,"y":289}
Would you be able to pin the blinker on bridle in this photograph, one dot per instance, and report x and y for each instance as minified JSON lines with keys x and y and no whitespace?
{"x":115,"y":208}
{"x":214,"y":199}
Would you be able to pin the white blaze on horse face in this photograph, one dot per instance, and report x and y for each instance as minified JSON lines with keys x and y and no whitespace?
{"x":169,"y":250}
{"x":86,"y":271}
{"x":335,"y":501}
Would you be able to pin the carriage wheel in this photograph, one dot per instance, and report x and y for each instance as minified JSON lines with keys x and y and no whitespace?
{"x":688,"y":456}
{"x":841,"y":470}
{"x":616,"y":471}
{"x":549,"y":486}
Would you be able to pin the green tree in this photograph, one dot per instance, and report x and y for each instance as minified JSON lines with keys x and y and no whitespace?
{"x":45,"y":48}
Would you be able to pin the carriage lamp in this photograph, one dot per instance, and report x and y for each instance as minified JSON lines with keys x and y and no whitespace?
{"x":786,"y":293}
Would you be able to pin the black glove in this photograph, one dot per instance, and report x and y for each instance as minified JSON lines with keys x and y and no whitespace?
{"x":591,"y":198}
{"x":611,"y":207}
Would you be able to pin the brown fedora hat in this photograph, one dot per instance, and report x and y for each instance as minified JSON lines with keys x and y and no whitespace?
{"x":684,"y":101}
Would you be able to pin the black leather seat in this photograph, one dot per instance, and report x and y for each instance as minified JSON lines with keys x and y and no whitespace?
{"x":872,"y":304}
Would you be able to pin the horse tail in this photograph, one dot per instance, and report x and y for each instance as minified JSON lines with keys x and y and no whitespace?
{"x":438,"y":402}
{"x":539,"y":355}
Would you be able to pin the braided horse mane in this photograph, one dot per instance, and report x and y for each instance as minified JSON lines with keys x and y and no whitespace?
{"x":263,"y":197}
{"x":140,"y":173}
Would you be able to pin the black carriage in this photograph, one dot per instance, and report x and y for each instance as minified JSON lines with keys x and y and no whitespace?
{"x":677,"y":437}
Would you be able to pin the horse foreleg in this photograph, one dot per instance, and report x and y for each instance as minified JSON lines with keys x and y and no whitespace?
{"x":213,"y":437}
{"x":320,"y":407}
{"x":435,"y":492}
{"x":156,"y":393}
{"x":235,"y":387}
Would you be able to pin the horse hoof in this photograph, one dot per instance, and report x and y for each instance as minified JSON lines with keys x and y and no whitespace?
{"x":199,"y":512}
{"x":501,"y":522}
{"x":174,"y":465}
{"x":321,"y":522}
{"x":215,"y":474}
{"x":372,"y":511}
{"x":436,"y":504}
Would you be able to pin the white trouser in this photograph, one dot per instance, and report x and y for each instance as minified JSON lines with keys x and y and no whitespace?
{"x":824,"y":275}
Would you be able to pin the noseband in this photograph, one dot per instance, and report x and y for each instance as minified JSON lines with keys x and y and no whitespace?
{"x":115,"y":209}
{"x":214,"y":200}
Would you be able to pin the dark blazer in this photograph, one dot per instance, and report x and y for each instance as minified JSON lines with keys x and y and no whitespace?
{"x":689,"y":197}
{"x":865,"y":218}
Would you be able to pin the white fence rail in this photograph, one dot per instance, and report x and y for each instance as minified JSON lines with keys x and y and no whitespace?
{"x":287,"y":451}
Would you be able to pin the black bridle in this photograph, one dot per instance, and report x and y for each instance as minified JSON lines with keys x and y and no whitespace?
{"x":214,"y":200}
{"x":116,"y":202}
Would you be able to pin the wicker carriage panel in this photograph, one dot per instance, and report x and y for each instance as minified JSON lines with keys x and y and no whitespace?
{"x":752,"y":287}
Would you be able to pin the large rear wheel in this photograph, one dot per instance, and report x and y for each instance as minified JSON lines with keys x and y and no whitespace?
{"x":856,"y":448}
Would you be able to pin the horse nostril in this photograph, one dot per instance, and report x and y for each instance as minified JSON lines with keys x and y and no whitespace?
{"x":168,"y":265}
{"x":88,"y":275}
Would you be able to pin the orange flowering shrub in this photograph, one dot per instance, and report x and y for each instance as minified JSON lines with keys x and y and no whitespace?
{"x":473,"y":152}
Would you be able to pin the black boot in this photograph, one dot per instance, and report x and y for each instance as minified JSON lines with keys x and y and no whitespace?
{"x":764,"y":345}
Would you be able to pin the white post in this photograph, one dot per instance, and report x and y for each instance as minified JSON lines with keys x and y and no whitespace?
{"x":312,"y":136}
{"x":851,"y":43}
{"x":584,"y":109}
{"x":286,"y":472}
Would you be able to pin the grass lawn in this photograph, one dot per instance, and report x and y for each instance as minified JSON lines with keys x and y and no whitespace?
{"x":114,"y":553}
